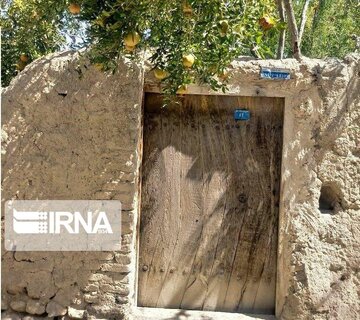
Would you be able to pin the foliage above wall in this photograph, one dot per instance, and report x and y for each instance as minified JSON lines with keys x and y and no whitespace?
{"x":191,"y":41}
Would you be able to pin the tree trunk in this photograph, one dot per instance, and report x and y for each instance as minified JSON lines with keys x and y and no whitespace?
{"x":303,"y":20}
{"x":282,"y":36}
{"x":293,"y":28}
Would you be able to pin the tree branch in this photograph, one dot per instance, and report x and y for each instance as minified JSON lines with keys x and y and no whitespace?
{"x":293,"y":28}
{"x":303,"y":20}
{"x":282,"y":36}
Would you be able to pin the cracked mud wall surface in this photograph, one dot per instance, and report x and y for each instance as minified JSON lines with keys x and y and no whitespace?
{"x":71,"y":132}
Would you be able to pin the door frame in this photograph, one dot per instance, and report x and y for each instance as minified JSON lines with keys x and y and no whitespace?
{"x":243,"y":89}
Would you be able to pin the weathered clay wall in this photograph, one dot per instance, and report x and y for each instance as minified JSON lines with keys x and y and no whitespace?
{"x":74,"y":133}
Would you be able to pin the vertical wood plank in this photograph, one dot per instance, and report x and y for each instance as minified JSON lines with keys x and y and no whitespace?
{"x":213,"y":195}
{"x":159,"y":226}
{"x":190,"y":209}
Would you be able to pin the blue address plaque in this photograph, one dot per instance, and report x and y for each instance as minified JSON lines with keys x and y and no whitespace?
{"x":276,"y":74}
{"x":241,"y":114}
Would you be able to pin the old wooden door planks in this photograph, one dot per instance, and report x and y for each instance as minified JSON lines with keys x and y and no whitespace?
{"x":210,"y":197}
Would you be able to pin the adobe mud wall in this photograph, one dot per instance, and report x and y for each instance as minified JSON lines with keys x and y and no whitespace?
{"x":71,"y":132}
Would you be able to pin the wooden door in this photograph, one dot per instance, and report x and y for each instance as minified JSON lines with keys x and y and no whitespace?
{"x":209,"y":205}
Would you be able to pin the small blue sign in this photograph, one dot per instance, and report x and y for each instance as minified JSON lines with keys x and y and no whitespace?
{"x":240,"y":114}
{"x":280,"y":74}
